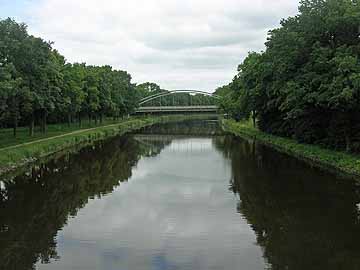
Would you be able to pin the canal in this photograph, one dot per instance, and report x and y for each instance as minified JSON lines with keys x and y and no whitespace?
{"x":178,"y":196}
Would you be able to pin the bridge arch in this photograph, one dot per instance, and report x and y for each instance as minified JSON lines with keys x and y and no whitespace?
{"x":173,"y":92}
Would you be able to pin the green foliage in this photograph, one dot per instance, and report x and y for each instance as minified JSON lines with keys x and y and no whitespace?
{"x":38,"y":86}
{"x":179,"y":99}
{"x":148,"y":89}
{"x":306,"y":84}
{"x":23,"y":149}
{"x":316,"y":156}
{"x":304,"y":220}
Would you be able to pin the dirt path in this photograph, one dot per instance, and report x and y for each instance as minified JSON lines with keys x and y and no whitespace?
{"x":63,"y":135}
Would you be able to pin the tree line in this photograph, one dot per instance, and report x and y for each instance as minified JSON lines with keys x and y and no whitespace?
{"x":38,"y":86}
{"x":180,"y":99}
{"x":306,"y":83}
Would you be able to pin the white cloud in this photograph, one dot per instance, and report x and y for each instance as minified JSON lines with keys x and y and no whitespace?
{"x":194,"y":44}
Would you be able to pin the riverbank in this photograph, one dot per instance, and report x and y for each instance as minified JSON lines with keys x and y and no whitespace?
{"x":7,"y":138}
{"x":330,"y":160}
{"x":15,"y":156}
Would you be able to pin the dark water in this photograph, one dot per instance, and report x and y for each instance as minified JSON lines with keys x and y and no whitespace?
{"x":150,"y":201}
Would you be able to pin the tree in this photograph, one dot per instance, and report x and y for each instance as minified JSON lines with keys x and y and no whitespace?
{"x":305,"y":84}
{"x":73,"y":91}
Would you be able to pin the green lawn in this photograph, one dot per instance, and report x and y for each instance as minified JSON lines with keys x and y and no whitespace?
{"x":7,"y":139}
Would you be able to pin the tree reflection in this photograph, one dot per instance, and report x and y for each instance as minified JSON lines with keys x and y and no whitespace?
{"x":36,"y":205}
{"x":188,"y":127}
{"x":303,"y":218}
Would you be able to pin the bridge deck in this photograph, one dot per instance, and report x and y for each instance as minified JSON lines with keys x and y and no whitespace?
{"x":210,"y":108}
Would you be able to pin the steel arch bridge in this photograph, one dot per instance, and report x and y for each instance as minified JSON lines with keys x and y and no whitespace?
{"x":173,"y":92}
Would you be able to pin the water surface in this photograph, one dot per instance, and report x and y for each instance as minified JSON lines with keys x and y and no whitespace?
{"x":162,"y":199}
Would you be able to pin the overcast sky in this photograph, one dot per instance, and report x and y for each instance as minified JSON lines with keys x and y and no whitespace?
{"x":179,"y":44}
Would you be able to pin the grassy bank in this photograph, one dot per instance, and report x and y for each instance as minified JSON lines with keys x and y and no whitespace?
{"x":28,"y":151}
{"x":340,"y":162}
{"x":7,"y":138}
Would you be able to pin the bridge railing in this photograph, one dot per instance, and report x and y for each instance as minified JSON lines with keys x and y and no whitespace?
{"x":173,"y":92}
{"x":155,"y":109}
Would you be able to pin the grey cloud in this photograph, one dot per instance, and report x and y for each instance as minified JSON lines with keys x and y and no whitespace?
{"x":200,"y":59}
{"x":176,"y":43}
{"x":179,"y":41}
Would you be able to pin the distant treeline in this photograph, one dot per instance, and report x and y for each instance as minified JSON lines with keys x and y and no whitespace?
{"x":306,"y":84}
{"x":38,"y":86}
{"x":180,"y":99}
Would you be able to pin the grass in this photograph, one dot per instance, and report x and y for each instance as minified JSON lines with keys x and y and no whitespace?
{"x":19,"y":152}
{"x":331,"y":160}
{"x":7,"y":138}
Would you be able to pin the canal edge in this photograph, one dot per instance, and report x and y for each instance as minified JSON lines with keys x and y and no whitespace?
{"x":339,"y":163}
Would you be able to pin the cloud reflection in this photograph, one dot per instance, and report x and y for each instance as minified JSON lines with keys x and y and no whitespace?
{"x":174,"y":213}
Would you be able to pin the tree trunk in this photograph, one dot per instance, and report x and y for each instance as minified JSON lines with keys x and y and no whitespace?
{"x":348,"y":142}
{"x":79,"y":119}
{"x":44,"y":122}
{"x":31,"y":125}
{"x":348,"y":124}
{"x":14,"y":113}
{"x":254,"y":118}
{"x":41,"y":121}
{"x":15,"y":125}
{"x":69,"y":119}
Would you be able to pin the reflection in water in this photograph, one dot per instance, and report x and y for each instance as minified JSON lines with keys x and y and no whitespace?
{"x":33,"y":207}
{"x":175,"y":213}
{"x":167,"y":202}
{"x":209,"y":127}
{"x":303,"y":218}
